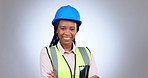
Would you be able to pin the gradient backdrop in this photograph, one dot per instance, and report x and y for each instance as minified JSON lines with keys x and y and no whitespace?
{"x":116,"y":31}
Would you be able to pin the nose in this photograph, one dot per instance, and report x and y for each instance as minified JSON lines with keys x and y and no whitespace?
{"x":67,"y":32}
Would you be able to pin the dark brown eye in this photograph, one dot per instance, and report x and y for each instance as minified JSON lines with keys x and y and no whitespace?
{"x":62,"y":28}
{"x":72,"y":28}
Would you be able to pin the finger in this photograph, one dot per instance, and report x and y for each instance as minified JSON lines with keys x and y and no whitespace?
{"x":51,"y":73}
{"x":49,"y":76}
{"x":95,"y":76}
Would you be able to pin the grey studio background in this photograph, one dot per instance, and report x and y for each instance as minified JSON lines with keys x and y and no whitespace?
{"x":116,"y":31}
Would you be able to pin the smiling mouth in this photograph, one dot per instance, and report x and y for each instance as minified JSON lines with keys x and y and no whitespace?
{"x":66,"y":38}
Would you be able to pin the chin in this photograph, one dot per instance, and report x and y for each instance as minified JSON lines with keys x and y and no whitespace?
{"x":67,"y":42}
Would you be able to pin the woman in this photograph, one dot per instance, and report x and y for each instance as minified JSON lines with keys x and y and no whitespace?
{"x":63,"y":59}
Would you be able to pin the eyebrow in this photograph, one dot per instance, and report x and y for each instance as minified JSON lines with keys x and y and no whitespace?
{"x":68,"y":26}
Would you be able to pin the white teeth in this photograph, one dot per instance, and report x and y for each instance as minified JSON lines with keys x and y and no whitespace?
{"x":67,"y":38}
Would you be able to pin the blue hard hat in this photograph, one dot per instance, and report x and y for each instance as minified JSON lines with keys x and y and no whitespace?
{"x":67,"y":13}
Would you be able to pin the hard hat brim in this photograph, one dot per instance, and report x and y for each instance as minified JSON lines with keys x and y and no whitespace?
{"x":55,"y":20}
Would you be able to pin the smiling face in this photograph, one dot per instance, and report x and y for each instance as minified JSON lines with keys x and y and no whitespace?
{"x":66,"y":32}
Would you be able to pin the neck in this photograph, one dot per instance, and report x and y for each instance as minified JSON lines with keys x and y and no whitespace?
{"x":67,"y":47}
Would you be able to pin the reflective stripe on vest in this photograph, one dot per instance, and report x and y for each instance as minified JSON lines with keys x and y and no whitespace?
{"x":60,"y":65}
{"x":84,"y":55}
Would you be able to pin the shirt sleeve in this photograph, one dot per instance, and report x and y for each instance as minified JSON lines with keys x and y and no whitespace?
{"x":93,"y":68}
{"x":45,"y":64}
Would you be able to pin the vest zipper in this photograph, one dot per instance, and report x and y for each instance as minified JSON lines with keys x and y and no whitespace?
{"x":68,"y":66}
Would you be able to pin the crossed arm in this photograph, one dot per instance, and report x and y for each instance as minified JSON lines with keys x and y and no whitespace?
{"x":52,"y":75}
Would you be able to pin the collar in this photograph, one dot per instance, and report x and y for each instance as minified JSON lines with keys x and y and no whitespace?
{"x":59,"y":46}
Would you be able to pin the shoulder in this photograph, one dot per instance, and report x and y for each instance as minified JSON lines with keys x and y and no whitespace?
{"x":43,"y":50}
{"x":86,"y":48}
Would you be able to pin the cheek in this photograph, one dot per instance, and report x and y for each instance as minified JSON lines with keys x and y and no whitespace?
{"x":74,"y":34}
{"x":59,"y":34}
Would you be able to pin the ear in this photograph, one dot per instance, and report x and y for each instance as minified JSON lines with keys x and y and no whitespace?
{"x":57,"y":32}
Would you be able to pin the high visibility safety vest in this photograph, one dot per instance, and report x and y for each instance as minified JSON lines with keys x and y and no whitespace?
{"x":60,"y":65}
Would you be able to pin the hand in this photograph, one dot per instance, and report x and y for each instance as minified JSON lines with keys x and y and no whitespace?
{"x":51,"y":75}
{"x":95,"y":76}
